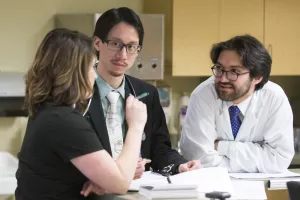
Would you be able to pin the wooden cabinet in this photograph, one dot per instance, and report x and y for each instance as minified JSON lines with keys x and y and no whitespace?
{"x":238,"y":17}
{"x":195,"y":30}
{"x":282,"y":35}
{"x":198,"y":24}
{"x":193,"y":26}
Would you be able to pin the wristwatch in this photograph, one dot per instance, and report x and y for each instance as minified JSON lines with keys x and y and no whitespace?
{"x":171,"y":169}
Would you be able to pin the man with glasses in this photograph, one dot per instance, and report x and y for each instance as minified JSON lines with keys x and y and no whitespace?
{"x":118,"y":38}
{"x":238,"y":119}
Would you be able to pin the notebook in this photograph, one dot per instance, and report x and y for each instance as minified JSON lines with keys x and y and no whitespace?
{"x":207,"y":180}
{"x":148,"y":178}
{"x":169,"y":191}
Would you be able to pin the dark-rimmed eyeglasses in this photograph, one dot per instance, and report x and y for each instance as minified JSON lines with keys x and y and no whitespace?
{"x":231,"y":75}
{"x":118,"y":46}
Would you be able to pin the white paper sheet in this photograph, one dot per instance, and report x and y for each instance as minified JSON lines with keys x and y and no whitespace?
{"x":207,"y":179}
{"x":263,"y":176}
{"x":148,"y":178}
{"x":252,"y":190}
{"x":280,"y":184}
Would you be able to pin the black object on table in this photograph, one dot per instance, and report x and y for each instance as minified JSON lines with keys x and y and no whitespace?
{"x":218,"y":195}
{"x":294,"y":189}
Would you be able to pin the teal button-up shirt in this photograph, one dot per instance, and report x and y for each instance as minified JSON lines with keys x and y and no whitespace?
{"x":104,"y":89}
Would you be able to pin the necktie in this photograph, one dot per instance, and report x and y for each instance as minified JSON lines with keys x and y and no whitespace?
{"x":113,"y":123}
{"x":234,"y":119}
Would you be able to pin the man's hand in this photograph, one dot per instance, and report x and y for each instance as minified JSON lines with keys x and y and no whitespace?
{"x":189,"y":166}
{"x":90,"y":187}
{"x":216,"y":145}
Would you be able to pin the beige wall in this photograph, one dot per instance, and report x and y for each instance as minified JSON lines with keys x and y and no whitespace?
{"x":23,"y":25}
{"x":94,"y":6}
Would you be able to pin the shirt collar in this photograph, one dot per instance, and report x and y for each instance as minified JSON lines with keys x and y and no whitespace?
{"x":105,"y":88}
{"x":243,"y":105}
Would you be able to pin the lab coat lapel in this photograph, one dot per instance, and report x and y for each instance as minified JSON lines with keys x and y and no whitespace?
{"x":223,"y":123}
{"x":250,"y":118}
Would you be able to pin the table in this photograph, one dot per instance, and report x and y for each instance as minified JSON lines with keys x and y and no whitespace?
{"x":279,"y":194}
{"x":271,"y":194}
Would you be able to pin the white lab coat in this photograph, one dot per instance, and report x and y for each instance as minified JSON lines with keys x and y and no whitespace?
{"x":264,"y":142}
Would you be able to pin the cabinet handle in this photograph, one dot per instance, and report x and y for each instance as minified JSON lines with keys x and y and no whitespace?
{"x":270,"y":49}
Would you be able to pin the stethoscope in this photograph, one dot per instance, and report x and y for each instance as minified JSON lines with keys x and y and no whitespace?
{"x":131,"y":88}
{"x":90,"y":100}
{"x":87,"y":107}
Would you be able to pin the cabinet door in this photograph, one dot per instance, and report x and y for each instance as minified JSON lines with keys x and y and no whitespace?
{"x":282,"y":35}
{"x":239,"y":17}
{"x":195,"y":29}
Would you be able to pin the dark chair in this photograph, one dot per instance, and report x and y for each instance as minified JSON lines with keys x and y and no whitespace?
{"x":294,"y":189}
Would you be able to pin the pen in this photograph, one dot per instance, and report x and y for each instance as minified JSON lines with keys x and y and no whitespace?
{"x":142,"y":95}
{"x":168,"y":178}
{"x":164,"y":173}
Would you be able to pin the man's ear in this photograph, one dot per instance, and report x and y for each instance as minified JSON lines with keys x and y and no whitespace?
{"x":97,"y":42}
{"x":257,"y":80}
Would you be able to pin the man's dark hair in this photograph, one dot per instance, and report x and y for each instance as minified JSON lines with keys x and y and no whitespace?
{"x":114,"y":16}
{"x":254,"y":56}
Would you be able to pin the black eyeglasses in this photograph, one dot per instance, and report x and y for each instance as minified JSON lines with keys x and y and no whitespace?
{"x":118,"y":46}
{"x":231,"y":75}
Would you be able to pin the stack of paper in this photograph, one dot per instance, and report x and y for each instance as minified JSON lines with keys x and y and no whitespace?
{"x":275,"y":181}
{"x":206,"y":179}
{"x":148,"y":178}
{"x":169,"y":191}
{"x":264,"y":176}
{"x":280,"y":184}
{"x":254,"y":190}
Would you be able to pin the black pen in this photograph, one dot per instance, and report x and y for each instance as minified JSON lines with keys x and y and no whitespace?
{"x":168,"y":179}
{"x":166,"y":174}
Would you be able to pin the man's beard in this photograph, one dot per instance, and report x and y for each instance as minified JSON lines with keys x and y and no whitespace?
{"x":235,"y":94}
{"x":115,"y":74}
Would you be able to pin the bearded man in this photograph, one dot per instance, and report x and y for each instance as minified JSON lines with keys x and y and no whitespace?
{"x":237,"y":118}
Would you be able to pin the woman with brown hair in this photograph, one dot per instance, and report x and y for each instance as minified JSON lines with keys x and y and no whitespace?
{"x":61,"y":151}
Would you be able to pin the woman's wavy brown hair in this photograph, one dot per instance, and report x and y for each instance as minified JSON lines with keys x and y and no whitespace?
{"x":60,"y":71}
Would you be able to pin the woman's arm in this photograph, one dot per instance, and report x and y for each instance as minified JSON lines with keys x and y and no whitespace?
{"x":99,"y":166}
